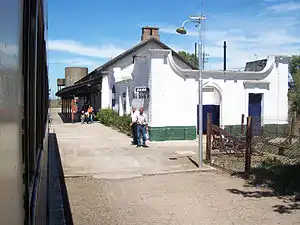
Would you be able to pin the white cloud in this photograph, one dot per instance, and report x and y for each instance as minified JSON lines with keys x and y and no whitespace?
{"x":76,"y":62}
{"x":248,"y":38}
{"x":285,"y":7}
{"x":106,"y":51}
{"x":273,"y":0}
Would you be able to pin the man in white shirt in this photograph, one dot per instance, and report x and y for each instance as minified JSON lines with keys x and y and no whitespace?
{"x":142,"y":126}
{"x":133,"y":125}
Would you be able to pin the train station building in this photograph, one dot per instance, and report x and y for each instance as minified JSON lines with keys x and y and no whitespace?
{"x":156,"y":77}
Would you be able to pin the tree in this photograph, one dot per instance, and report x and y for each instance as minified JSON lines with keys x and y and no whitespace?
{"x":294,"y":84}
{"x":191,"y":58}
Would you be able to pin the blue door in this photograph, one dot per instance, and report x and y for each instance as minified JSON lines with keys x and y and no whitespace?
{"x":254,"y":110}
{"x":214,"y":110}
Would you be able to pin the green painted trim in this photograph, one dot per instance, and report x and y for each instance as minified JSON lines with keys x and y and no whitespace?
{"x":279,"y":129}
{"x":235,"y":129}
{"x":172,"y":133}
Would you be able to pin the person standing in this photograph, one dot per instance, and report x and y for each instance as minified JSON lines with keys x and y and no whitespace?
{"x":142,"y":127}
{"x":133,"y":125}
{"x":90,"y":114}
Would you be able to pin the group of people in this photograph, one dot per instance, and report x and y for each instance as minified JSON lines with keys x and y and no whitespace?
{"x":87,"y":114}
{"x":139,"y":125}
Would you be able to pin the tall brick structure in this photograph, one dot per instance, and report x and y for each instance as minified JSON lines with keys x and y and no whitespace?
{"x":149,"y":32}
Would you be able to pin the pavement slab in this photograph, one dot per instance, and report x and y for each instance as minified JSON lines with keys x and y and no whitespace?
{"x":97,"y":150}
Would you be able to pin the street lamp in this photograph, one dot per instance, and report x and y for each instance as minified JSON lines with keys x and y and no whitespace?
{"x":182,"y":30}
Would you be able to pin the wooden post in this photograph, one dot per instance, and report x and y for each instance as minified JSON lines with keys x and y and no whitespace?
{"x":292,"y":128}
{"x":248,"y":148}
{"x":281,"y":150}
{"x":62,"y":105}
{"x":208,"y":137}
{"x":67,"y":107}
{"x":70,"y":111}
{"x":73,"y":110}
{"x":242,"y":124}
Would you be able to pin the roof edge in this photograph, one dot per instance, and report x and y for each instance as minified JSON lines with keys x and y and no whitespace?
{"x":130,"y":51}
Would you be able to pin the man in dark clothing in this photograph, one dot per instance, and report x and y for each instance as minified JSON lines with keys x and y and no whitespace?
{"x":133,"y":125}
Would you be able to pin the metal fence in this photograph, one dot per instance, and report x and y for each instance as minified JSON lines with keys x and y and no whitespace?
{"x":244,"y":148}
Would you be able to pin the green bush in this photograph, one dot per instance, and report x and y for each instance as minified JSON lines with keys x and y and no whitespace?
{"x":111,"y":118}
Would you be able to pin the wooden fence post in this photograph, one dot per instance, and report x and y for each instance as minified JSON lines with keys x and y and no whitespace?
{"x":292,"y":128}
{"x":208,"y":137}
{"x":73,"y":110}
{"x":248,"y":148}
{"x":242,"y":124}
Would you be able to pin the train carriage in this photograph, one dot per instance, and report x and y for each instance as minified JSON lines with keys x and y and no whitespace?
{"x":23,"y":112}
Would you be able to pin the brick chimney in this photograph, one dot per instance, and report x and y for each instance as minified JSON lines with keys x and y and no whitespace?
{"x":149,"y":32}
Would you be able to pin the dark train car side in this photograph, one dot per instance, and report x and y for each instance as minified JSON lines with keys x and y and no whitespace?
{"x":23,"y":112}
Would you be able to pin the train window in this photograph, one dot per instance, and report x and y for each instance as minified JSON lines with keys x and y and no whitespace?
{"x":29,"y":71}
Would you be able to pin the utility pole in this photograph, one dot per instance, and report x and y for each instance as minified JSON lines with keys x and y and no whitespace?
{"x":196,"y":59}
{"x":203,"y":55}
{"x":204,"y":59}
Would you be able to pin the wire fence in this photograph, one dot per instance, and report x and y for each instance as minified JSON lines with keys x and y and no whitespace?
{"x":244,"y":148}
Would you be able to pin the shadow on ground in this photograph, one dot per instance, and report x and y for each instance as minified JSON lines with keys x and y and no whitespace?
{"x":65,"y":117}
{"x":282,"y":181}
{"x":59,"y":207}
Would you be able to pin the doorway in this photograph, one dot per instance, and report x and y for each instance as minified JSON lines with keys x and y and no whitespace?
{"x":215,"y":114}
{"x":255,"y":111}
{"x":211,"y":104}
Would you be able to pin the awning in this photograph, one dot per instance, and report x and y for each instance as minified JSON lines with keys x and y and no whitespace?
{"x":81,"y":89}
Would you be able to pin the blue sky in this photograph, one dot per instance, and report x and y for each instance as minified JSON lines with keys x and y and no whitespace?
{"x":88,"y":33}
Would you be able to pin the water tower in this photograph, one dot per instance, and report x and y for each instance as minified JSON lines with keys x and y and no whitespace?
{"x":73,"y":74}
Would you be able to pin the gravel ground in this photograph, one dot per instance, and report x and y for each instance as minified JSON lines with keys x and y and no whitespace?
{"x":183,"y":198}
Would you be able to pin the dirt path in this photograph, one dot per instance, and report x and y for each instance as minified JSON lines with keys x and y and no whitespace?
{"x":179,"y":199}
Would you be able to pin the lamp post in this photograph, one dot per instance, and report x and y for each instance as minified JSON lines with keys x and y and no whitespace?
{"x":182,"y":30}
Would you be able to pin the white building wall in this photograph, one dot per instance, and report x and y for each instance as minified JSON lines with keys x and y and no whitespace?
{"x":283,"y":93}
{"x":235,"y":97}
{"x":140,"y":78}
{"x":105,"y":94}
{"x":171,"y":93}
{"x":233,"y":101}
{"x":173,"y":99}
{"x":140,"y":75}
{"x":275,"y":96}
{"x":121,"y":88}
